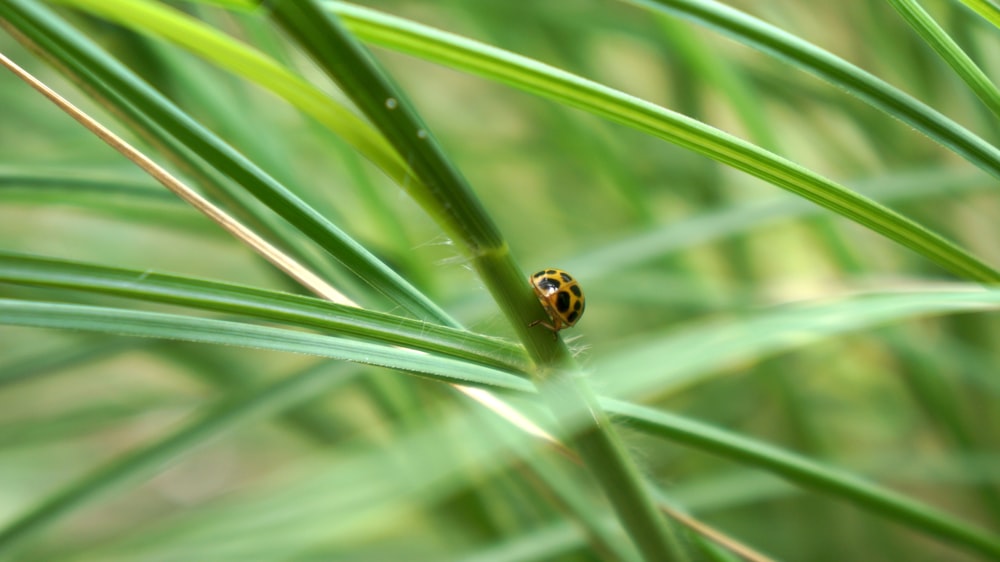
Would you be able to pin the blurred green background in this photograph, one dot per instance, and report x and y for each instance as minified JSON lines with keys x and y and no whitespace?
{"x":673,"y":249}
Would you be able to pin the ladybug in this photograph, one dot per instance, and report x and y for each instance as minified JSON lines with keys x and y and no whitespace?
{"x":561,"y":296}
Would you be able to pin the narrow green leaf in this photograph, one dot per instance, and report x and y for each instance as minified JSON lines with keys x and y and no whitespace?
{"x":547,"y":81}
{"x":105,"y":74}
{"x":948,"y":49}
{"x":246,"y":5}
{"x":442,"y":191}
{"x":159,"y":20}
{"x":262,"y":305}
{"x":694,"y":353}
{"x":223,"y":332}
{"x":809,"y":474}
{"x":451,"y":201}
{"x":798,"y":52}
{"x":250,"y":405}
{"x":710,"y":226}
{"x":986,"y":9}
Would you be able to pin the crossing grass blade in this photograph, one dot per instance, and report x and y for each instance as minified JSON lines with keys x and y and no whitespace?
{"x":449,"y":198}
{"x":811,"y":475}
{"x":806,"y":56}
{"x":986,"y":9}
{"x":262,"y":305}
{"x":946,"y":47}
{"x":687,"y":355}
{"x":799,"y":470}
{"x":828,"y":353}
{"x":224,"y":332}
{"x":575,"y":91}
{"x":104,"y":73}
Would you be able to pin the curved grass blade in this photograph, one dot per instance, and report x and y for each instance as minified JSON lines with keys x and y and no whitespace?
{"x":532,"y":76}
{"x":795,"y":468}
{"x":809,"y":474}
{"x":692,"y":354}
{"x":244,"y":407}
{"x":104,"y":73}
{"x":223,"y":332}
{"x":988,"y":11}
{"x":211,"y":179}
{"x":769,"y":39}
{"x":948,"y":49}
{"x":451,"y":201}
{"x":711,"y":226}
{"x":262,"y":305}
{"x":159,"y":20}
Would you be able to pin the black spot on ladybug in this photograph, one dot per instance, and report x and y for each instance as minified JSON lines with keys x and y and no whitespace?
{"x":551,"y":272}
{"x":576,"y":290}
{"x":572,"y":316}
{"x":578,"y":306}
{"x":539,"y":274}
{"x":549,"y":284}
{"x":565,"y":276}
{"x":562,"y":301}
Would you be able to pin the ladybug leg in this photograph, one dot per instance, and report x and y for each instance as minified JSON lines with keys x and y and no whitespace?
{"x":553,"y":329}
{"x":543,"y":323}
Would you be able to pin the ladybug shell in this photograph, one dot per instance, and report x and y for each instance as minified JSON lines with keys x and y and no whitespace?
{"x":561,"y":296}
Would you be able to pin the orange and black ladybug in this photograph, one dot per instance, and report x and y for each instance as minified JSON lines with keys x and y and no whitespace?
{"x":561,"y":296}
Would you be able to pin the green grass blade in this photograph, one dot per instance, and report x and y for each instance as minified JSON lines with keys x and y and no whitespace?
{"x":159,"y":20}
{"x":724,"y":76}
{"x":799,"y":470}
{"x":544,"y":80}
{"x":802,"y":54}
{"x":948,"y":49}
{"x":247,"y":5}
{"x":450,"y":200}
{"x":105,"y":72}
{"x":986,"y":9}
{"x":692,"y":354}
{"x":69,"y":50}
{"x":330,"y":499}
{"x":114,"y":195}
{"x":247,"y":406}
{"x":811,"y":475}
{"x":262,"y":305}
{"x":223,"y":332}
{"x":444,"y":192}
{"x":214,"y":331}
{"x":714,"y":225}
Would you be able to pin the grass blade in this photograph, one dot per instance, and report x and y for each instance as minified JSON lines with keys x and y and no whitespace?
{"x":448,"y":198}
{"x":550,"y":82}
{"x":262,"y":305}
{"x":948,"y":49}
{"x":986,"y":9}
{"x":811,"y":475}
{"x":106,"y":73}
{"x":806,"y":56}
{"x":223,"y":332}
{"x":691,"y":354}
{"x":159,"y":20}
{"x":244,"y":407}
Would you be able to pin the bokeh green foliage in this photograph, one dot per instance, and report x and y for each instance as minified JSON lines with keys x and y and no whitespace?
{"x":711,"y":294}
